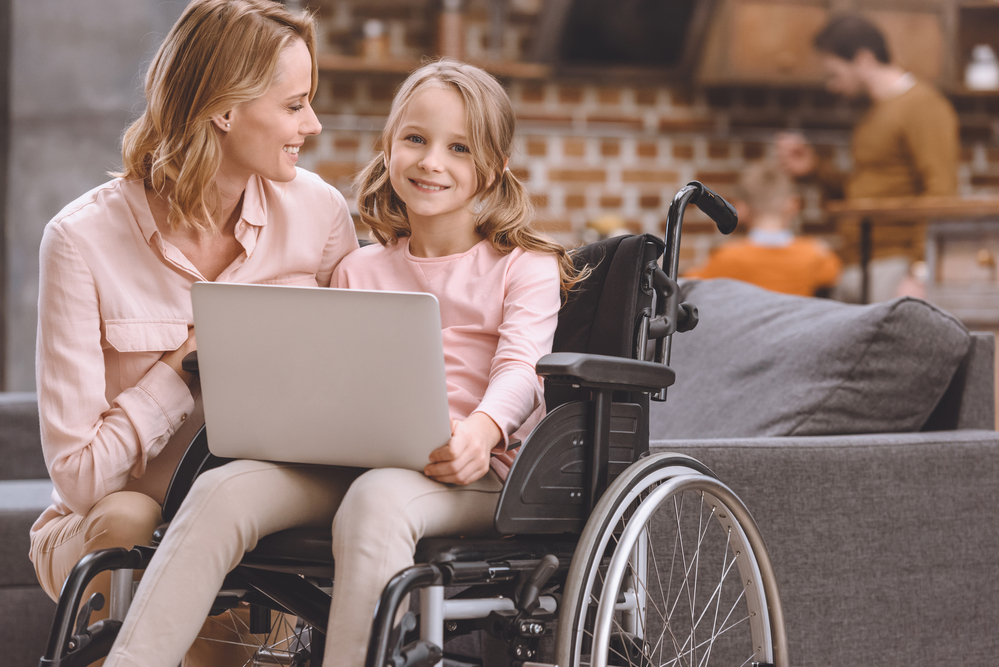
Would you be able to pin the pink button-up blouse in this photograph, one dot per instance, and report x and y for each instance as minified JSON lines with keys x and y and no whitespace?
{"x":114,"y":296}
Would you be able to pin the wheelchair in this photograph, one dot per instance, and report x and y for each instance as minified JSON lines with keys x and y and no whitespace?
{"x":604,"y":553}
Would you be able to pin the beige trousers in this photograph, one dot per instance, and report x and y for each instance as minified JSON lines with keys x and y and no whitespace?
{"x":123,"y":519}
{"x":377,"y":517}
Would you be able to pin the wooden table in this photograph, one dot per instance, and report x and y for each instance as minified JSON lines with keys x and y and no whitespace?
{"x":873,"y":211}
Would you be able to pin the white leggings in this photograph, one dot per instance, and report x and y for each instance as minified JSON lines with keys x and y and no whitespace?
{"x":377,"y":518}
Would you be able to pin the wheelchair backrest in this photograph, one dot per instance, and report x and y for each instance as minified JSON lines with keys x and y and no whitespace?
{"x":603,"y":314}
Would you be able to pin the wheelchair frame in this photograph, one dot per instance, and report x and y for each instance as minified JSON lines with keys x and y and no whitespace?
{"x":584,"y":470}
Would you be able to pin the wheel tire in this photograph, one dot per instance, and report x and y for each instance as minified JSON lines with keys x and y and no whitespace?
{"x":690,"y":577}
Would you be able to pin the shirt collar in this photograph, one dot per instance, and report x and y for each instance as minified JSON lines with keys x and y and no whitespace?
{"x":777,"y":238}
{"x":254,"y":205}
{"x":904,"y":84}
{"x":135,"y":196}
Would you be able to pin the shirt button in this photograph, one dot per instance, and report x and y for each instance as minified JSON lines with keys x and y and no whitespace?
{"x":183,"y":417}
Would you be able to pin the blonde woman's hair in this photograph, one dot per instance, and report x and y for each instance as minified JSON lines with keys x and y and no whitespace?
{"x":219,"y":53}
{"x":504,"y":212}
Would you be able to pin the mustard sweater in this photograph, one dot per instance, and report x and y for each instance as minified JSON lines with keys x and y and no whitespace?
{"x":902,"y":146}
{"x":905,"y":145}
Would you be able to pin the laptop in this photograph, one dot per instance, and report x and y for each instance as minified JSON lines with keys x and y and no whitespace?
{"x":321,"y":375}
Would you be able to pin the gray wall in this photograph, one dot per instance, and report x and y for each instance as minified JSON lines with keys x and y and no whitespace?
{"x":76,"y":76}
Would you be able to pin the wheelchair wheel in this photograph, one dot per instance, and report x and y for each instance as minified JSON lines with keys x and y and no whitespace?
{"x":227,"y":639}
{"x":670,"y":570}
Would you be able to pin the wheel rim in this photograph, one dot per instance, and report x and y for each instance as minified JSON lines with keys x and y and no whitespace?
{"x":228,"y":637}
{"x":705,"y":603}
{"x":681,"y":595}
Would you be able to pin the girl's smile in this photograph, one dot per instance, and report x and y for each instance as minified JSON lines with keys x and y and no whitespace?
{"x":424,"y":185}
{"x":430,"y":164}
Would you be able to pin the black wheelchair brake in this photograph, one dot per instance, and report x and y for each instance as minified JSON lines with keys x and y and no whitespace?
{"x":524,"y":628}
{"x":417,"y":653}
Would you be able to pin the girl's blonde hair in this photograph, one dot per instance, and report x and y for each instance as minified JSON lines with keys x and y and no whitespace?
{"x":505,"y":212}
{"x":219,"y":53}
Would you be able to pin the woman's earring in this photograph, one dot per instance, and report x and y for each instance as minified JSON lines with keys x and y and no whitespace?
{"x":227,"y":126}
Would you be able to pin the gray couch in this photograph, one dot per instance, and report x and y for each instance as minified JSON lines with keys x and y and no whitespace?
{"x":862,"y":440}
{"x":25,"y":490}
{"x":860,"y":437}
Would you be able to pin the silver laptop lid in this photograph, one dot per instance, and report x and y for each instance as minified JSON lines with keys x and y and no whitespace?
{"x":319,"y":375}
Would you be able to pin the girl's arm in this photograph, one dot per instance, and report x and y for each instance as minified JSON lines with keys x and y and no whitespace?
{"x":91,"y":447}
{"x":531,"y":303}
{"x":530,"y":315}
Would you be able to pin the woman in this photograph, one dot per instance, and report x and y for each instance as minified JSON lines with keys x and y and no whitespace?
{"x":209,"y":191}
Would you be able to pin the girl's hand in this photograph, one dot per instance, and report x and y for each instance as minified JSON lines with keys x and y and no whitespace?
{"x":465,"y":458}
{"x":174,"y":358}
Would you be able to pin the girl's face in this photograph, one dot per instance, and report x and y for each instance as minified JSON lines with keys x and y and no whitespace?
{"x":265,"y":133}
{"x":431,"y":166}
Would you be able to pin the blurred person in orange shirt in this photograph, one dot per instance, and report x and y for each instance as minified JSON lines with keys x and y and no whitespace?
{"x":771,"y":255}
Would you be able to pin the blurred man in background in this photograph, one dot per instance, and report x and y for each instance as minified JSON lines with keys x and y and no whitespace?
{"x":905,"y":144}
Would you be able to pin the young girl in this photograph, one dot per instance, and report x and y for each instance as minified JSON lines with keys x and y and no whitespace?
{"x":451,"y":220}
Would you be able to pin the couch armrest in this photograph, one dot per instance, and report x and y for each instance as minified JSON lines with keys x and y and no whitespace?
{"x":969,"y":401}
{"x":887,"y":538}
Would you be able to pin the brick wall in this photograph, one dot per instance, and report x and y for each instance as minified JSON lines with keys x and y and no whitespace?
{"x":586,"y":150}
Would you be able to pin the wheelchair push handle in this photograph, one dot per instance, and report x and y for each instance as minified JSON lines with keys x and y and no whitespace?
{"x":669,"y":312}
{"x":716,"y":208}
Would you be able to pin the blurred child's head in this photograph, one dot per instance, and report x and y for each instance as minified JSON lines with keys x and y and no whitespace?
{"x":769,"y":194}
{"x":499,"y":199}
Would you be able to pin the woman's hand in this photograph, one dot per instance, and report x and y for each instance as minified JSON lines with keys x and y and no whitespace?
{"x":173,"y":359}
{"x":465,"y":458}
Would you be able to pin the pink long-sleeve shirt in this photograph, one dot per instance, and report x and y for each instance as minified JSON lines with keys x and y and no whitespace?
{"x":114,"y":296}
{"x":498,"y":317}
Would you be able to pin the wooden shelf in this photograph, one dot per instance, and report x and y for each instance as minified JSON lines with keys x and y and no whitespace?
{"x":909,"y":208}
{"x":962,"y":91}
{"x":329,"y":62}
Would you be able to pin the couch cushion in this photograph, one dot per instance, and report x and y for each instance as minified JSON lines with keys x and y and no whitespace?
{"x":766,"y":364}
{"x":21,"y":502}
{"x":20,"y":441}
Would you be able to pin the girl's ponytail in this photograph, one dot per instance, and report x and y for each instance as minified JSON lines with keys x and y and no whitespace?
{"x":505,"y":221}
{"x":377,"y":203}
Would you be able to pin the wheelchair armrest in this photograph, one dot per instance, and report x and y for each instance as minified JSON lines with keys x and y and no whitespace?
{"x":604,"y":372}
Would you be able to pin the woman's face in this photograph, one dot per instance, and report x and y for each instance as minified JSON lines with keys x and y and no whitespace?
{"x":264,"y":134}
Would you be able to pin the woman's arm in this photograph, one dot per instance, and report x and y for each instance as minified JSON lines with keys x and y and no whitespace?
{"x":92,"y":447}
{"x":342,"y":239}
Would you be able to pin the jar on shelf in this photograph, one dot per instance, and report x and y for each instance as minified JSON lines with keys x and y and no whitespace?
{"x":982,"y":72}
{"x":451,"y":30}
{"x":375,"y":44}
